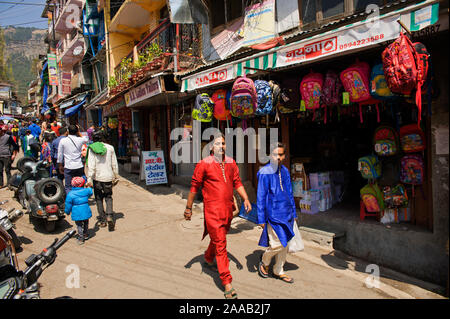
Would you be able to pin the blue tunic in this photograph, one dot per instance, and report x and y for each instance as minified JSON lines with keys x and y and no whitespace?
{"x":275,"y":206}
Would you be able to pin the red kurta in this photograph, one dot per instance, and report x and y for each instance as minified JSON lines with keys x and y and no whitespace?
{"x":218,"y":206}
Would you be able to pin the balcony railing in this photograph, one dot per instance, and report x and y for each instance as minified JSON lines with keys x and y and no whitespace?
{"x":157,"y":50}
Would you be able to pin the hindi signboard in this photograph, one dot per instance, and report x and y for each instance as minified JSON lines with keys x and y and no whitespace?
{"x":154,"y":167}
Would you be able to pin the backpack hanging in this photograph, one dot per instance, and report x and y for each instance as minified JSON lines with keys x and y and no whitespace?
{"x":221,"y":108}
{"x":243,"y":98}
{"x":355,"y":80}
{"x":370,"y":167}
{"x":264,"y":97}
{"x":386,"y":141}
{"x":412,"y":138}
{"x":372,"y":197}
{"x":379,"y":88}
{"x":412,"y":169}
{"x":311,"y":91}
{"x":203,"y":108}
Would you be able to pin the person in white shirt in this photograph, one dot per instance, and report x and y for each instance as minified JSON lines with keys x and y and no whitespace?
{"x":102,"y":174}
{"x":69,"y":156}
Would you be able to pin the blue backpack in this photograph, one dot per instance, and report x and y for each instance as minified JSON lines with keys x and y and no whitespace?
{"x":379,"y":88}
{"x":264,"y":98}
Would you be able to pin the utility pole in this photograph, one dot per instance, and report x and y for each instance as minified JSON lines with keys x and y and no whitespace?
{"x":107,"y":18}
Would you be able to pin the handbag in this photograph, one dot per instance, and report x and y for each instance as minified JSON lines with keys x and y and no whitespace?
{"x":296,"y":242}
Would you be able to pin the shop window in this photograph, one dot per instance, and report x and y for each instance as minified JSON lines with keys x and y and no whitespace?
{"x":308,"y":11}
{"x":225,"y":11}
{"x":332,"y":8}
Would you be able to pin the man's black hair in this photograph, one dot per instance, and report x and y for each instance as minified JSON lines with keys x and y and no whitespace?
{"x":73,"y":129}
{"x":62,"y":130}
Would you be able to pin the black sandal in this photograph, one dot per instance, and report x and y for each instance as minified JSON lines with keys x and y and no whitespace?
{"x":230,"y":294}
{"x":266,"y":269}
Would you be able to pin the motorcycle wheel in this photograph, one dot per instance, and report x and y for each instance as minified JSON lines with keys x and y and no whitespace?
{"x":50,"y":225}
{"x":50,"y":190}
{"x":22,"y":161}
{"x":16,"y":241}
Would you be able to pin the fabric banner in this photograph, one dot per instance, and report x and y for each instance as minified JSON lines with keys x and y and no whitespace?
{"x":52,"y":69}
{"x":352,"y":38}
{"x":259,"y":23}
{"x":66,"y":83}
{"x":154,"y":167}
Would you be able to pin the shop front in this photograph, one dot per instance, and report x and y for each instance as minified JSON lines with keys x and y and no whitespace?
{"x":328,"y":143}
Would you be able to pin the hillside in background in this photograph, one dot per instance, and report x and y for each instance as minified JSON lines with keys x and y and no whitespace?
{"x":23,"y":45}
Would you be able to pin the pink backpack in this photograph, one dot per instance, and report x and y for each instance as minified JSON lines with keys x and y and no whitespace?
{"x":243,"y":98}
{"x":311,"y":90}
{"x":355,"y":80}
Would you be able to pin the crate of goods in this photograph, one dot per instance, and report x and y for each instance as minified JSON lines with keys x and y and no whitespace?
{"x":251,"y":216}
{"x":314,"y":180}
{"x":324,"y":179}
{"x":309,"y":207}
{"x":325,"y":201}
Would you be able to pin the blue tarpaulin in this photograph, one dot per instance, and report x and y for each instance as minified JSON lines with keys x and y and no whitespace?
{"x":74,"y":109}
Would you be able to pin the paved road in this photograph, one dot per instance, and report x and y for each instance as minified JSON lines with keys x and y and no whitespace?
{"x":154,"y":253}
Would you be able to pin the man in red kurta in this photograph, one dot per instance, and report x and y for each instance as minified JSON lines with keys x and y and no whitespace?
{"x":218,"y":175}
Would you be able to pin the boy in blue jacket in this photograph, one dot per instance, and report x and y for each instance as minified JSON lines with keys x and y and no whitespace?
{"x":77,"y":204}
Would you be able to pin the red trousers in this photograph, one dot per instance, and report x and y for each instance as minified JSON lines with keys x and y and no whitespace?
{"x":218,"y":248}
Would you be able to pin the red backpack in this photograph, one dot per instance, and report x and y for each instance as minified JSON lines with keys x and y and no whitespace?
{"x":412,"y":138}
{"x":221,"y":109}
{"x":405,"y":66}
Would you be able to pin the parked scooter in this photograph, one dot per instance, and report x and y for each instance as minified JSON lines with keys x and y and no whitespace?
{"x":39,"y":194}
{"x":7,"y":220}
{"x":16,"y":284}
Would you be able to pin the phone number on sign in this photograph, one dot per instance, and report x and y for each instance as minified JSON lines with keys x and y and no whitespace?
{"x":361,"y":42}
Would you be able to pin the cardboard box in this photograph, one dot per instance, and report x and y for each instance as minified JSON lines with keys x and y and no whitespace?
{"x":309,"y":207}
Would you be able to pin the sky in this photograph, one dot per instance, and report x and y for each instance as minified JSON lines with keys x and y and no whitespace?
{"x":21,"y":15}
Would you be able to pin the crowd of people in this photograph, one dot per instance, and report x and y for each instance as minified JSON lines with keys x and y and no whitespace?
{"x":88,"y":166}
{"x":71,"y":157}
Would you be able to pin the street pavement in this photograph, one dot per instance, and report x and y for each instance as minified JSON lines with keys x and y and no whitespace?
{"x":155,"y":253}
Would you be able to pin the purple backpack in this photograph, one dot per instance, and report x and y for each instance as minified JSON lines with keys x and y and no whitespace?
{"x":243,"y":98}
{"x":332,"y":88}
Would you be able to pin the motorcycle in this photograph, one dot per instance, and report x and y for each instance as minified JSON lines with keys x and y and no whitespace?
{"x":16,"y":284}
{"x":39,"y":194}
{"x":7,"y":220}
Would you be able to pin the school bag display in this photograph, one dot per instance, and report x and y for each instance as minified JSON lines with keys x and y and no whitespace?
{"x":264,"y":104}
{"x":203,"y":108}
{"x":379,"y":88}
{"x":412,"y":169}
{"x":332,"y":88}
{"x":221,"y":107}
{"x":395,"y":197}
{"x":372,"y":197}
{"x":311,"y":90}
{"x":289,"y":98}
{"x":405,"y":67}
{"x":385,"y":141}
{"x":355,"y":80}
{"x":276,"y":93}
{"x":412,"y":138}
{"x":369,"y":166}
{"x":243,"y":98}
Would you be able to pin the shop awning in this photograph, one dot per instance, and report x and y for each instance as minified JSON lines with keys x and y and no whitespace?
{"x":74,"y":109}
{"x":347,"y":39}
{"x":77,"y":98}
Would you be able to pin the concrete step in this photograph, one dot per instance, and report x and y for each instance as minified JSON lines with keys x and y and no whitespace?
{"x":320,"y":236}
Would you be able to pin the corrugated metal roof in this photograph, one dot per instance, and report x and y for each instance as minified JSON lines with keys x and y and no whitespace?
{"x":299,"y":35}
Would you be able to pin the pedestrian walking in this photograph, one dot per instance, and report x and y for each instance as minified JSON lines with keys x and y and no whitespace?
{"x":35,"y":129}
{"x":8,"y":152}
{"x":76,"y":204}
{"x":30,"y":145}
{"x":63,"y":132}
{"x":276,"y":213}
{"x":55,"y":127}
{"x":102,"y":174}
{"x":69,"y":156}
{"x":218,"y":175}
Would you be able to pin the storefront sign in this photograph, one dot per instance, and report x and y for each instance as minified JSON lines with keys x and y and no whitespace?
{"x":349,"y":39}
{"x":143,"y":91}
{"x":114,"y":107}
{"x":208,"y":78}
{"x":154,"y":168}
{"x":52,"y":69}
{"x":259,"y":23}
{"x":66,"y":83}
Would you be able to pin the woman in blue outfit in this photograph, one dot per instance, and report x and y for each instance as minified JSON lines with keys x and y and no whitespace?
{"x":77,"y":205}
{"x":276,"y":213}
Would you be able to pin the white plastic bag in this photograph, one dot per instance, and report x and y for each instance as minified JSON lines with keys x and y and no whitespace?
{"x":296,"y":242}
